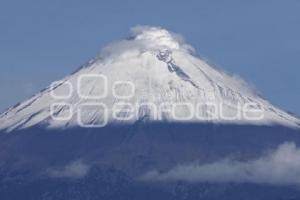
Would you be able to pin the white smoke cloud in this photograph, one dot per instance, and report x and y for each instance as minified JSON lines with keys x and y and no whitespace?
{"x":280,"y":167}
{"x":75,"y":169}
{"x":145,"y":38}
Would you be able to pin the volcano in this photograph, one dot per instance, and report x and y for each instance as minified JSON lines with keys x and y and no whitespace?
{"x":131,"y":122}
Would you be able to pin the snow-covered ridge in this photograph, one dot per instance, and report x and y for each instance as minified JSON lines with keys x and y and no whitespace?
{"x":133,"y":78}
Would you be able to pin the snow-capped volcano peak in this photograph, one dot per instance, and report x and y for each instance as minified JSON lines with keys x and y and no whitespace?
{"x":153,"y":76}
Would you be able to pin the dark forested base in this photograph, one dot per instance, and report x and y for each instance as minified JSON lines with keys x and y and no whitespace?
{"x":118,"y":155}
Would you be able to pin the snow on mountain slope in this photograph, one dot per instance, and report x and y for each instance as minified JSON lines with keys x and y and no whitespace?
{"x":152,"y":76}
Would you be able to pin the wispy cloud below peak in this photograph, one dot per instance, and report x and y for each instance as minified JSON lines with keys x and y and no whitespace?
{"x":279,"y":167}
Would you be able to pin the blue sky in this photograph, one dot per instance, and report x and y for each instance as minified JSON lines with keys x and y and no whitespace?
{"x":42,"y":41}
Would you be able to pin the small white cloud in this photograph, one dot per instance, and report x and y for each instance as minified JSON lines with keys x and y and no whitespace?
{"x":280,"y":167}
{"x":75,"y":169}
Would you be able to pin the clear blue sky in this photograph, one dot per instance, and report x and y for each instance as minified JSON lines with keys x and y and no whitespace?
{"x":43,"y":40}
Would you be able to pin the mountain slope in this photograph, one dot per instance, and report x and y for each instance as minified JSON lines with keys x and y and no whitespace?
{"x":169,"y":126}
{"x":151,"y":76}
